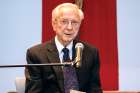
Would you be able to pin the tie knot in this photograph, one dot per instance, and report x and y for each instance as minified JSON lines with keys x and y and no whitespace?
{"x":66,"y":54}
{"x":65,"y":50}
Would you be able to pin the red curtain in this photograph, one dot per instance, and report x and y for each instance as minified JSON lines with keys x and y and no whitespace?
{"x":98,"y":29}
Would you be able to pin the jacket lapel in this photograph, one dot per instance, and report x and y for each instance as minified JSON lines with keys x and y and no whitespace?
{"x":53,"y":57}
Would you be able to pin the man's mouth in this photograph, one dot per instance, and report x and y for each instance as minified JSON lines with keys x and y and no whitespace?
{"x":67,"y":34}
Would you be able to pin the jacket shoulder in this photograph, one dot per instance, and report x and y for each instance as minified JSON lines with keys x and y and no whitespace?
{"x":88,"y":46}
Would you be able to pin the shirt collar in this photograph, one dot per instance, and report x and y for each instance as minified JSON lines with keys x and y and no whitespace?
{"x":60,"y":46}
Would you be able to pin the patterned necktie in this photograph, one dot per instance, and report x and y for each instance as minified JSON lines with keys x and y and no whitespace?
{"x":70,"y":77}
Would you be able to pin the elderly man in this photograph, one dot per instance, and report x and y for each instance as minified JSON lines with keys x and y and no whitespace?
{"x":66,"y":21}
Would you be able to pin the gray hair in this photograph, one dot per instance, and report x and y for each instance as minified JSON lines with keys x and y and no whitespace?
{"x":56,"y":11}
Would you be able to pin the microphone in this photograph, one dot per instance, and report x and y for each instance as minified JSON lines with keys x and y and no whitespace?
{"x":79,"y":49}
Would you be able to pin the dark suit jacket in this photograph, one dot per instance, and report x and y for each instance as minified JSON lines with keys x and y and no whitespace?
{"x":47,"y":79}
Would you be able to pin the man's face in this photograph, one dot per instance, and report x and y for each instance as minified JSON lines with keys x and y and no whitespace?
{"x":67,"y":26}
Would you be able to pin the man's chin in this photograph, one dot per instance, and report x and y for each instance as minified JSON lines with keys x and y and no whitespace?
{"x":68,"y":40}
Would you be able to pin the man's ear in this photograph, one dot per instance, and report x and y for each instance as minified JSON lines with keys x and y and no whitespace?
{"x":54,"y":25}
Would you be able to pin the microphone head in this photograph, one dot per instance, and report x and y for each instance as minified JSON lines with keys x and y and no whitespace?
{"x":79,"y":49}
{"x":79,"y":45}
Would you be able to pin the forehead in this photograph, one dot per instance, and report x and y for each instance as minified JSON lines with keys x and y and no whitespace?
{"x":69,"y":12}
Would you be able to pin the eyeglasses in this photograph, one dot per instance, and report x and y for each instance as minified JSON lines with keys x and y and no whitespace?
{"x":66,"y":22}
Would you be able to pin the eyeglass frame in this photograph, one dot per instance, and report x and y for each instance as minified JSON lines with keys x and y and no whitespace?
{"x":66,"y":22}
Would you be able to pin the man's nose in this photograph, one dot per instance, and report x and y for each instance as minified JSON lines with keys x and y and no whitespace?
{"x":69,"y":25}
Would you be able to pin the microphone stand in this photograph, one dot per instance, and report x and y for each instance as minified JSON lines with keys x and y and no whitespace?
{"x":47,"y":64}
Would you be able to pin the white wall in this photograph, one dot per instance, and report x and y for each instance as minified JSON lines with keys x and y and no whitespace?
{"x":20,"y":28}
{"x":128,"y":17}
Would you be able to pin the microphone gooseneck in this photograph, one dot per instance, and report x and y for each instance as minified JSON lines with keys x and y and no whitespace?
{"x":78,"y":59}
